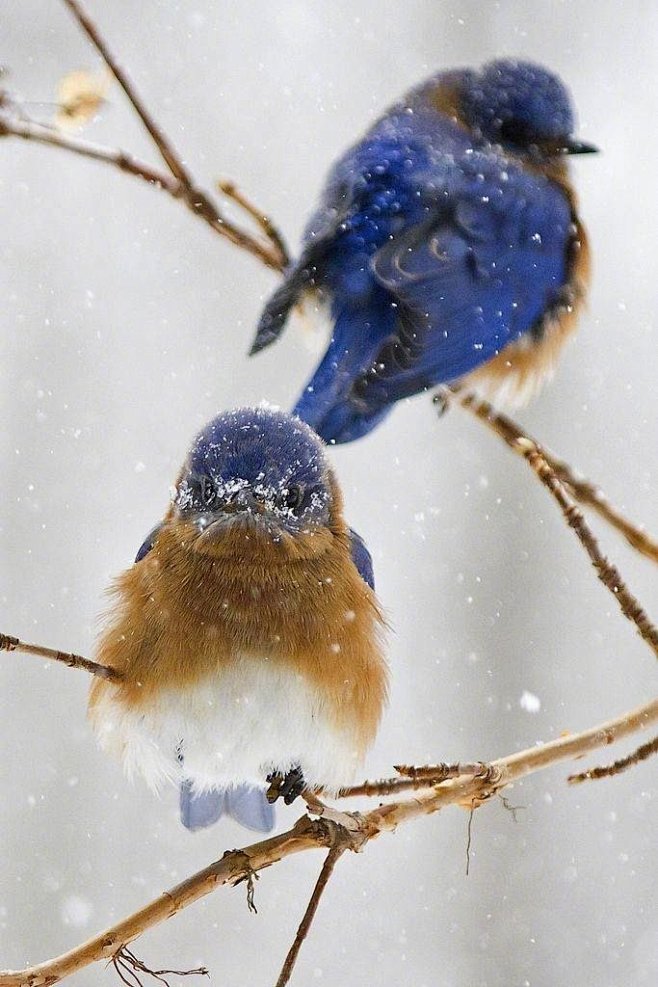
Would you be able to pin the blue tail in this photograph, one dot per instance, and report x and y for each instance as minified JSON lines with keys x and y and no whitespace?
{"x":244,"y":803}
{"x":328,"y":403}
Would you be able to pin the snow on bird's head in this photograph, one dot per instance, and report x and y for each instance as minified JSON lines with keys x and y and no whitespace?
{"x":517,"y":102}
{"x":261,"y":446}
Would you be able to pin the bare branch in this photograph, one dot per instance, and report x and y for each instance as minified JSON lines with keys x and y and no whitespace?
{"x":590,"y":495}
{"x":231,"y":191}
{"x":169,"y":155}
{"x":306,"y":834}
{"x":641,"y":754}
{"x":416,"y":778}
{"x":442,"y":771}
{"x":14,"y":126}
{"x":196,"y":199}
{"x":582,"y":490}
{"x":534,"y":454}
{"x":8,"y":643}
{"x":128,"y":966}
{"x":330,"y":862}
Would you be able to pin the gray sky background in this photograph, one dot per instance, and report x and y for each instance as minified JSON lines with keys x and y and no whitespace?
{"x":126,"y":324}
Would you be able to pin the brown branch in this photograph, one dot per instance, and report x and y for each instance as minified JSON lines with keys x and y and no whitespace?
{"x":306,"y":834}
{"x":9,"y":643}
{"x":641,"y":754}
{"x":582,"y":490}
{"x":231,"y":191}
{"x":169,"y":155}
{"x":330,"y":862}
{"x":590,"y":495}
{"x":128,"y":967}
{"x":416,"y":778}
{"x":534,"y":454}
{"x":14,"y":126}
{"x":195,"y":198}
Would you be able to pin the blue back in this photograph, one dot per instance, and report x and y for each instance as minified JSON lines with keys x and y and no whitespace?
{"x":446,"y":273}
{"x":436,"y":246}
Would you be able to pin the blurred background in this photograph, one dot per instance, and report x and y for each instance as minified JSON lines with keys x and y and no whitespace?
{"x":125,"y":327}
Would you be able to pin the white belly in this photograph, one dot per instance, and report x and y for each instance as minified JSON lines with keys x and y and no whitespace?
{"x":245,"y":721}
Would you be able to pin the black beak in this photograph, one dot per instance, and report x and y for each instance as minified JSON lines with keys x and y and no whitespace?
{"x":244,"y":500}
{"x":578,"y":147}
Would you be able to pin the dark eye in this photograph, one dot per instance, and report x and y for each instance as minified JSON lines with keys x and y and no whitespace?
{"x":293,"y":497}
{"x":207,"y":491}
{"x":516,"y":132}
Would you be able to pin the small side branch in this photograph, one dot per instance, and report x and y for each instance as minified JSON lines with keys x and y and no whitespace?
{"x":330,"y":862}
{"x":29,"y":130}
{"x":617,"y":767}
{"x":199,"y":201}
{"x":582,"y":490}
{"x":536,"y":458}
{"x":169,"y":155}
{"x":9,"y":643}
{"x":416,"y":778}
{"x":129,"y":967}
{"x":266,"y":223}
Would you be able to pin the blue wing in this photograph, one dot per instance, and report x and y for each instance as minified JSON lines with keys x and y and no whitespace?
{"x":432,"y":272}
{"x":244,"y":803}
{"x":148,"y":542}
{"x":362,"y":558}
{"x":483,"y":269}
{"x":361,"y":204}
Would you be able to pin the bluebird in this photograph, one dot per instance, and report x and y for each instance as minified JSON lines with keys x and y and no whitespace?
{"x":448,"y":246}
{"x":247,"y":632}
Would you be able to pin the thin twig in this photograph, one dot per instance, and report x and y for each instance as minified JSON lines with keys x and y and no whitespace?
{"x":14,"y":126}
{"x":415,"y":779}
{"x":582,"y":490}
{"x":129,"y":966}
{"x":330,"y":862}
{"x":469,"y":836}
{"x":641,"y":754}
{"x":169,"y":154}
{"x":534,"y":454}
{"x":9,"y":643}
{"x":590,"y":495}
{"x":196,"y":198}
{"x":231,"y":191}
{"x":307,"y":833}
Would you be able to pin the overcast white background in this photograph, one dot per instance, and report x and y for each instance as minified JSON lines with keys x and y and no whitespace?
{"x":125,"y":325}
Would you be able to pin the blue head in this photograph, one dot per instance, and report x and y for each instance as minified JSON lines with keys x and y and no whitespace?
{"x":255,"y":472}
{"x":522,"y":106}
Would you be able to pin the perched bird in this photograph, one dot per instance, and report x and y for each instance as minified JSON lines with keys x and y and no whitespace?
{"x":247,"y":633}
{"x":448,"y":246}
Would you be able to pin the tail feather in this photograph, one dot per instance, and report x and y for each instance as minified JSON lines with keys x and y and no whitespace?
{"x":244,"y":803}
{"x":276,"y":312}
{"x":328,"y":403}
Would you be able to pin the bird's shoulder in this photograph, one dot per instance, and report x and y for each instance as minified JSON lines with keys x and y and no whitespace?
{"x":399,"y":175}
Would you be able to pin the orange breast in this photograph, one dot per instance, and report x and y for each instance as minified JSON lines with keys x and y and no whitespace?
{"x":519,"y":371}
{"x":180,"y":616}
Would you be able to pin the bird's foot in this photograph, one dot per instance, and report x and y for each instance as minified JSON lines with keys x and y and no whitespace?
{"x":287,"y":786}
